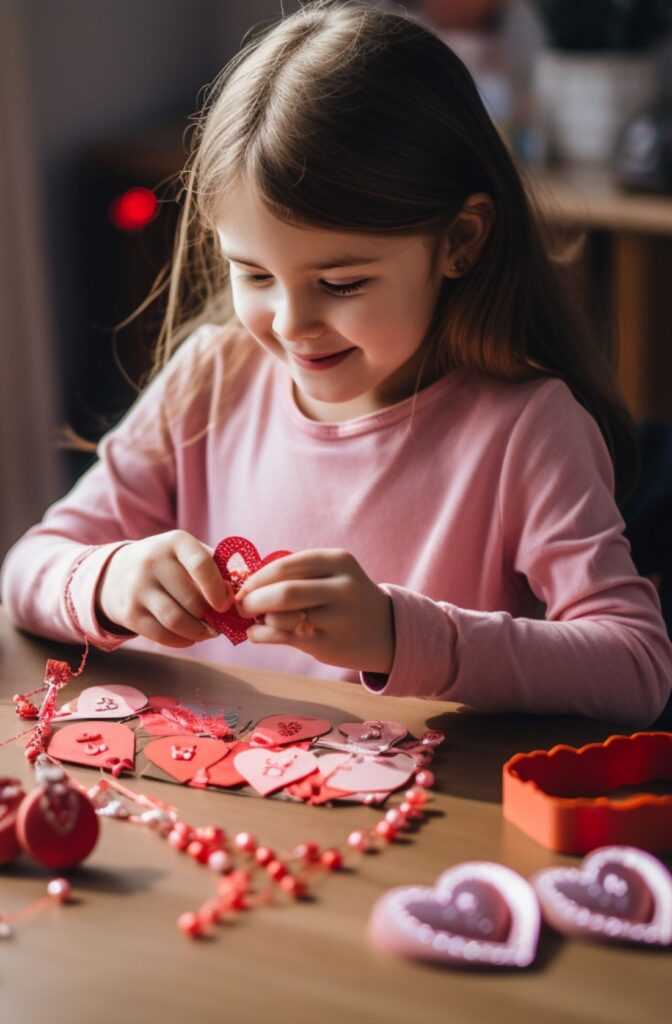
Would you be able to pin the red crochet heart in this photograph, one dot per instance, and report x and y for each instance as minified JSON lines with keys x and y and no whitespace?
{"x":230,"y":622}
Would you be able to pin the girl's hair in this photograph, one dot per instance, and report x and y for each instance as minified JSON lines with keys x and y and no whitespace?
{"x":343,"y":116}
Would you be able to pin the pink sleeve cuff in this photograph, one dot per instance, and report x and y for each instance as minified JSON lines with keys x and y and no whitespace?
{"x":80,"y":596}
{"x":425,"y":662}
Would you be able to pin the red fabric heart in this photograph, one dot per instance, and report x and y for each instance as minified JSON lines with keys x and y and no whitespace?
{"x":172,"y":755}
{"x":233,"y":625}
{"x":95,"y":746}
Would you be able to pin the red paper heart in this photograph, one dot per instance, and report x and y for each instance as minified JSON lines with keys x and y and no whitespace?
{"x":170,"y":754}
{"x":233,"y":625}
{"x":281,"y":730}
{"x":224,"y":773}
{"x":96,"y":744}
{"x":477,"y":914}
{"x":617,"y":893}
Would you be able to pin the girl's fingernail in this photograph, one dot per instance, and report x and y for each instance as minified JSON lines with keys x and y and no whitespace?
{"x":212,"y":632}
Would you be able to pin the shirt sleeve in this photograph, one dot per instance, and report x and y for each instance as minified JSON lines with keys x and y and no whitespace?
{"x":51,"y":575}
{"x":602,"y":649}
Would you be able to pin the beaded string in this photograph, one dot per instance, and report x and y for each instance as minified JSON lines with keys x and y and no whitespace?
{"x":58,"y":890}
{"x":56,"y":675}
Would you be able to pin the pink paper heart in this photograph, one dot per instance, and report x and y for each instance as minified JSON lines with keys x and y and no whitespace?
{"x":477,"y":914}
{"x":183,"y":756}
{"x":373,"y":736}
{"x":233,"y":625}
{"x":269,"y":770}
{"x":279,"y":730}
{"x":104,"y":702}
{"x":100,"y":745}
{"x":356,"y":773}
{"x":617,"y":893}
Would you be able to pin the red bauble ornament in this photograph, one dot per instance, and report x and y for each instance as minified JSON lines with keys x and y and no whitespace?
{"x":56,"y":824}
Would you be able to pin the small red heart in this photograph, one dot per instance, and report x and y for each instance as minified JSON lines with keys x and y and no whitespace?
{"x":233,"y":625}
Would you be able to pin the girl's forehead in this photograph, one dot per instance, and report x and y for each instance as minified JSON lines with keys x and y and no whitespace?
{"x":250,"y":233}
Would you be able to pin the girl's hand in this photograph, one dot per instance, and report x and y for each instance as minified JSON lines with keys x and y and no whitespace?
{"x":161,"y":587}
{"x":322,"y":602}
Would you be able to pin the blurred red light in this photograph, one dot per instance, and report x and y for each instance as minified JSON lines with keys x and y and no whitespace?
{"x":133,"y":210}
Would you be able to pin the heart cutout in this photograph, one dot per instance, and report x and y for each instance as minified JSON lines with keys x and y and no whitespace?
{"x":279,"y":730}
{"x":233,"y":625}
{"x":617,"y":893}
{"x":224,"y":773}
{"x":357,"y":773}
{"x":104,"y":702}
{"x":270,"y":770}
{"x":183,"y":756}
{"x":373,"y":736}
{"x":101,"y":745}
{"x":477,"y":914}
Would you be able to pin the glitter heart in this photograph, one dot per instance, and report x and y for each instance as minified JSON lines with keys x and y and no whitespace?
{"x":617,"y":893}
{"x":233,"y":625}
{"x":478,"y":914}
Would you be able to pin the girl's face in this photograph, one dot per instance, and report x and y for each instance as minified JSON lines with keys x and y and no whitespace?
{"x":346,"y":314}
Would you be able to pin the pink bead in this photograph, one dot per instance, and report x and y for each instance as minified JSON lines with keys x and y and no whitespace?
{"x":395,"y":817}
{"x":358,"y":840}
{"x":425,"y":779}
{"x":385,"y":830}
{"x":198,"y":851}
{"x":293,"y":886}
{"x":370,"y":800}
{"x":310,"y":852}
{"x":218,"y":860}
{"x":190,"y":924}
{"x":276,"y":869}
{"x":417,"y":797}
{"x":178,"y":840}
{"x":263,"y":855}
{"x":245,"y":842}
{"x":59,"y":889}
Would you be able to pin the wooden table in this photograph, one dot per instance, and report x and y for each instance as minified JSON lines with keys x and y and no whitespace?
{"x":117,"y":956}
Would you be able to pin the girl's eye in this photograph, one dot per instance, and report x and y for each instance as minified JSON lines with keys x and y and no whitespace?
{"x":338,"y":289}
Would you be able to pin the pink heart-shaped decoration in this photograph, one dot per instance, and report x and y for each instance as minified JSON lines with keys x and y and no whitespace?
{"x":373,"y":736}
{"x":357,"y":773}
{"x":279,"y":730}
{"x":477,"y":914}
{"x":269,"y":770}
{"x":183,"y":756}
{"x":100,"y":745}
{"x":104,"y":702}
{"x":617,"y":893}
{"x":233,"y":625}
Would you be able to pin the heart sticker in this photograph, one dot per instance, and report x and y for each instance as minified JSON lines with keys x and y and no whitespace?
{"x":617,"y":893}
{"x":374,"y":736}
{"x":224,"y":773}
{"x":478,"y":914}
{"x":233,"y":625}
{"x":269,"y":770}
{"x":104,"y":702}
{"x":182,"y":757}
{"x":356,"y":773}
{"x":278,"y":730}
{"x":101,"y":745}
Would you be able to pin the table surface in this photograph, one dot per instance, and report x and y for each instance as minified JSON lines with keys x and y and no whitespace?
{"x":117,"y":955}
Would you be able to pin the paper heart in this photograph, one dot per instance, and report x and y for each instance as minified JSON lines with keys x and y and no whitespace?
{"x":102,"y":746}
{"x":269,"y":770}
{"x":224,"y":773}
{"x":356,"y":773}
{"x":278,"y":730}
{"x":617,"y":893}
{"x":104,"y":702}
{"x":478,"y":914}
{"x":233,"y":625}
{"x":375,"y":736}
{"x":183,"y":756}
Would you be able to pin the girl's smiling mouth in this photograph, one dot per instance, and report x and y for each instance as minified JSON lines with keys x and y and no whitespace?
{"x":322,"y":362}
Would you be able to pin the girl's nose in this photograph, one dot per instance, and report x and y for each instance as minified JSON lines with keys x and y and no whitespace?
{"x":296,"y":321}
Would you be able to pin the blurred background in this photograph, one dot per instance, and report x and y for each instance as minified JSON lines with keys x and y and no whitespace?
{"x":95,"y":98}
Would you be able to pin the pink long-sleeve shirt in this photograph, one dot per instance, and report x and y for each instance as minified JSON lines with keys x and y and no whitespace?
{"x":485,"y":508}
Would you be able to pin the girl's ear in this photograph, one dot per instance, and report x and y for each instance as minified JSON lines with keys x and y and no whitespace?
{"x":467,"y":234}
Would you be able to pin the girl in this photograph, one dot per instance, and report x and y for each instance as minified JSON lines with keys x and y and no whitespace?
{"x":405,"y":399}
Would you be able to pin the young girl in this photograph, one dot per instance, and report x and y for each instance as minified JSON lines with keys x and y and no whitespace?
{"x":405,"y":399}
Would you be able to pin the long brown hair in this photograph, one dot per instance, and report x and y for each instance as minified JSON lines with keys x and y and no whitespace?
{"x":347,"y":117}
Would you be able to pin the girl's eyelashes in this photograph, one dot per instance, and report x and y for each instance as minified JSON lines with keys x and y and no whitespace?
{"x":338,"y":289}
